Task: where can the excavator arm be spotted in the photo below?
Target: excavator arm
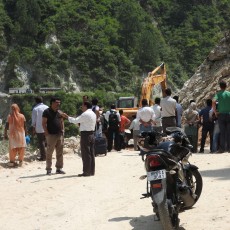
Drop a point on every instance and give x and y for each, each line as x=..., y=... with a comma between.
x=158, y=75
x=128, y=104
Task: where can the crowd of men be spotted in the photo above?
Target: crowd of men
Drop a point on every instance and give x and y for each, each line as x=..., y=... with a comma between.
x=48, y=124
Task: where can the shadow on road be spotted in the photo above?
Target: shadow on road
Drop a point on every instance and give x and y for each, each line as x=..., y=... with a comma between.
x=221, y=174
x=142, y=222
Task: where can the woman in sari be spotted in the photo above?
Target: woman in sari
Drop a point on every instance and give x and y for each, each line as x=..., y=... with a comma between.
x=17, y=130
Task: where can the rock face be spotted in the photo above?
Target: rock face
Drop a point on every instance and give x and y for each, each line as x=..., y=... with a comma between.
x=204, y=83
x=4, y=105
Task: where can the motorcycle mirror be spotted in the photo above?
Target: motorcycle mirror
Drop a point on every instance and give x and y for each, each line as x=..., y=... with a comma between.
x=143, y=177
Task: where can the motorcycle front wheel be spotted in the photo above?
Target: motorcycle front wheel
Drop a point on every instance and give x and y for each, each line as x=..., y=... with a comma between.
x=168, y=215
x=194, y=181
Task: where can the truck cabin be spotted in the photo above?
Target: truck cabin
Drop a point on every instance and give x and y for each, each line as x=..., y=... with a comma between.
x=126, y=102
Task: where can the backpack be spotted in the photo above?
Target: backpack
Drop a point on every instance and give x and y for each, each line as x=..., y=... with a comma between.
x=113, y=119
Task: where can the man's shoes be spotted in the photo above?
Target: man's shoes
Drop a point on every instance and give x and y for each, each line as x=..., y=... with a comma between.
x=201, y=151
x=41, y=159
x=83, y=174
x=219, y=151
x=48, y=172
x=60, y=171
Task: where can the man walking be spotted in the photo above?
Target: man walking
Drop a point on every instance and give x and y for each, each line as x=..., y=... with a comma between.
x=37, y=126
x=223, y=114
x=168, y=113
x=53, y=126
x=113, y=118
x=87, y=121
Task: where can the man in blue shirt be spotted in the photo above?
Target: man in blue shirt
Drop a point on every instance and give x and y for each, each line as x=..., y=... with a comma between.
x=207, y=125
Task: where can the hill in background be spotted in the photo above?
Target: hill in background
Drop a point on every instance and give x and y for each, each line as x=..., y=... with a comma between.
x=106, y=45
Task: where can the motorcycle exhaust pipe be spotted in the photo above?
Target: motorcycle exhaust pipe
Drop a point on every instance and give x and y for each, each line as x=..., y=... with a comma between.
x=186, y=196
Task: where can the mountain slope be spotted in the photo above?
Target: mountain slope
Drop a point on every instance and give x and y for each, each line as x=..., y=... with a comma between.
x=105, y=45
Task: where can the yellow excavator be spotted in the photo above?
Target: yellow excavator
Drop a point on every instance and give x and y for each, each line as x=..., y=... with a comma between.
x=130, y=105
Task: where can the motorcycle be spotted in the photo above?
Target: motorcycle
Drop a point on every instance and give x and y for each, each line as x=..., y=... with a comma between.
x=172, y=182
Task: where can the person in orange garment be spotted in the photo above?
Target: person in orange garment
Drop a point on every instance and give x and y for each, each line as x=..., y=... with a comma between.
x=123, y=124
x=16, y=124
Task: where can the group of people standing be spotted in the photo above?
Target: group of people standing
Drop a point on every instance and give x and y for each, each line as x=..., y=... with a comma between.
x=160, y=116
x=48, y=124
x=214, y=119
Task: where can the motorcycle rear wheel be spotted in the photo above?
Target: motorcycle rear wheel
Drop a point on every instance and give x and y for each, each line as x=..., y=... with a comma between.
x=194, y=181
x=168, y=215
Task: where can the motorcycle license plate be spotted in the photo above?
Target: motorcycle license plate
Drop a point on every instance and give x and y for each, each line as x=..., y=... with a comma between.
x=156, y=175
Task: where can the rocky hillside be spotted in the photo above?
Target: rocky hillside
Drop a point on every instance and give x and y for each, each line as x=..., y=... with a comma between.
x=201, y=86
x=4, y=105
x=204, y=83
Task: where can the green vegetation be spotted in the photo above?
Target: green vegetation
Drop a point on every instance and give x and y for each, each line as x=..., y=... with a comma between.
x=70, y=103
x=107, y=45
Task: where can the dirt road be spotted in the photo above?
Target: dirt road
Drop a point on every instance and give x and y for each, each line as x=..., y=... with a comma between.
x=109, y=200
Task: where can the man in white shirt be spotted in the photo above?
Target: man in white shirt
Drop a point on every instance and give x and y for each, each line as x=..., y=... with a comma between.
x=96, y=110
x=157, y=110
x=179, y=111
x=87, y=122
x=135, y=126
x=37, y=126
x=146, y=117
x=168, y=113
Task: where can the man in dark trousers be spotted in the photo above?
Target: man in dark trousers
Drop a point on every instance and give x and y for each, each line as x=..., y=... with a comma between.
x=87, y=121
x=179, y=111
x=37, y=126
x=223, y=114
x=113, y=118
x=168, y=113
x=207, y=125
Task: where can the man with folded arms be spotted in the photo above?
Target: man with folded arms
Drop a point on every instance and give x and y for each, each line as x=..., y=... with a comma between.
x=146, y=117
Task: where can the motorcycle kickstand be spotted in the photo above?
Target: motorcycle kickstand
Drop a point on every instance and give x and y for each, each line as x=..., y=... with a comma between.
x=145, y=195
